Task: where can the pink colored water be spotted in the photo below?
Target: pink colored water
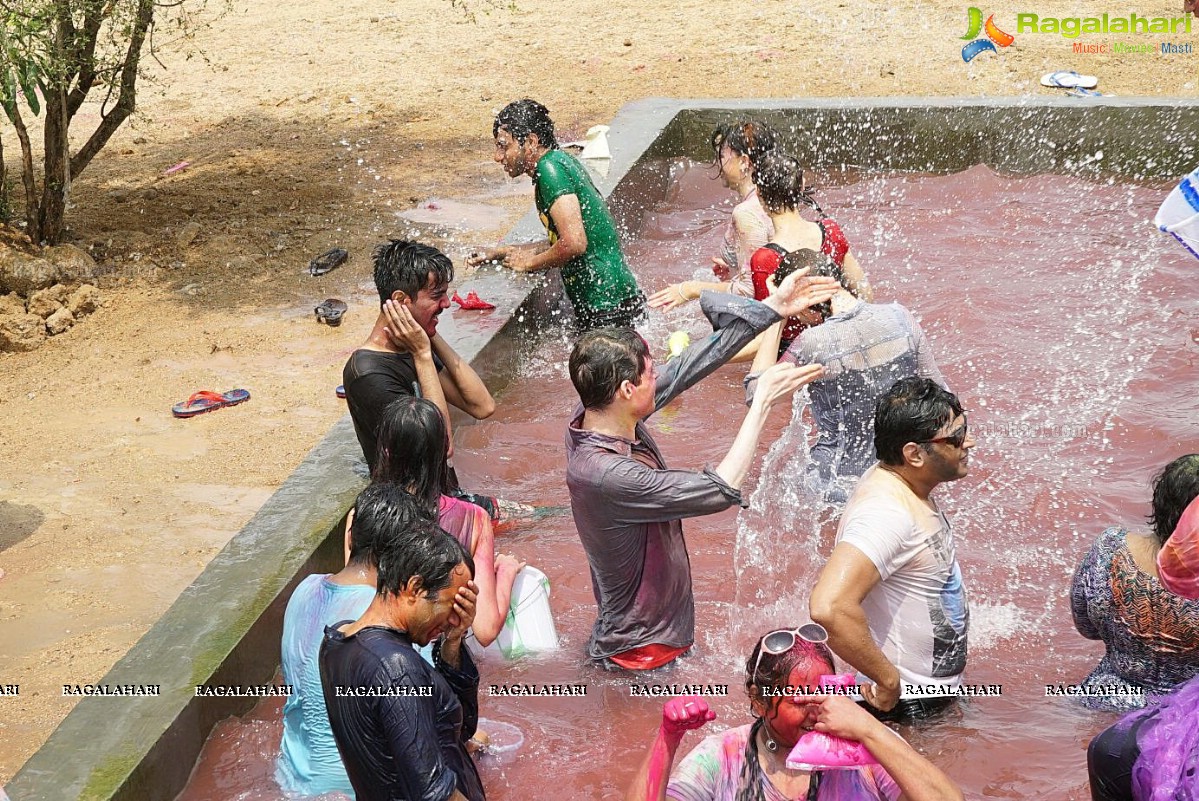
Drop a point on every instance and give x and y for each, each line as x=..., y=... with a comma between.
x=1068, y=326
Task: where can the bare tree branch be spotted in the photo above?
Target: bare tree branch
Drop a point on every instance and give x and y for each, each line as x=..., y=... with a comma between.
x=127, y=100
x=85, y=56
x=27, y=174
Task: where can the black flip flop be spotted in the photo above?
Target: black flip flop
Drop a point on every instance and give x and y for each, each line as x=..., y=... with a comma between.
x=327, y=261
x=330, y=312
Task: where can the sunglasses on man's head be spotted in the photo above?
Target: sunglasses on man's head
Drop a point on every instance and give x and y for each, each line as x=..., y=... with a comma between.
x=956, y=439
x=783, y=640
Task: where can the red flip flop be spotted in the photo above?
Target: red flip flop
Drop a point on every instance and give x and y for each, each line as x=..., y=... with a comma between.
x=206, y=401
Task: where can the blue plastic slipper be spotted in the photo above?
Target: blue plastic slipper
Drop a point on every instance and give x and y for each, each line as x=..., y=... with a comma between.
x=1069, y=79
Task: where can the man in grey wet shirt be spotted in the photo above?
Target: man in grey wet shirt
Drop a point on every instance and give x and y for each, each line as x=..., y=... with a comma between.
x=628, y=507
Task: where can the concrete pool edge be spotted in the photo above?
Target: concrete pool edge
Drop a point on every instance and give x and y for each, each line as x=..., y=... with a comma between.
x=224, y=628
x=129, y=747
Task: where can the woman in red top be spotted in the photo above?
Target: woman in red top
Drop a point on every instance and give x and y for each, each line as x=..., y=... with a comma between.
x=783, y=191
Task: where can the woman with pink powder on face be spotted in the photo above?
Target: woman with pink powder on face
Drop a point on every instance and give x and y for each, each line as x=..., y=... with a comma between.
x=748, y=763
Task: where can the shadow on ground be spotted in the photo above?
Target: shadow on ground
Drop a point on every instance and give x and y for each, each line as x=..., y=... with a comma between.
x=260, y=197
x=17, y=521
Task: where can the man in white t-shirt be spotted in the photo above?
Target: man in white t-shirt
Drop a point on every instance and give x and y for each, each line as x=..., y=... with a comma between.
x=891, y=595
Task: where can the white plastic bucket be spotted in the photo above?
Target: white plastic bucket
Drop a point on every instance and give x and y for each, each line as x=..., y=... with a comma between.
x=530, y=625
x=1179, y=214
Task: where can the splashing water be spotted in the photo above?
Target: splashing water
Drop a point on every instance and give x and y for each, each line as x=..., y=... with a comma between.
x=1067, y=326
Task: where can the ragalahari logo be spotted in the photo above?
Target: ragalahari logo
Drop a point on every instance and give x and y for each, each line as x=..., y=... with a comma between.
x=994, y=35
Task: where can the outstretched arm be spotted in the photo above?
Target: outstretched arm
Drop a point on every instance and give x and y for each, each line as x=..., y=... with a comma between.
x=777, y=383
x=736, y=321
x=501, y=253
x=917, y=778
x=572, y=239
x=461, y=384
x=679, y=716
x=750, y=234
x=684, y=292
x=768, y=348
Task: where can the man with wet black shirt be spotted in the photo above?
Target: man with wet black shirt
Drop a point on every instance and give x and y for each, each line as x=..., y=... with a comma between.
x=404, y=354
x=401, y=724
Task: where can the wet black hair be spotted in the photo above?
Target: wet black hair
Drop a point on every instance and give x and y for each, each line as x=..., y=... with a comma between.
x=424, y=551
x=412, y=444
x=406, y=266
x=523, y=117
x=602, y=360
x=773, y=671
x=782, y=184
x=913, y=410
x=382, y=513
x=750, y=138
x=1173, y=490
x=819, y=264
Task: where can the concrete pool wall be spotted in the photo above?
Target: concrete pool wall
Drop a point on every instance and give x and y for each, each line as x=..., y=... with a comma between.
x=224, y=628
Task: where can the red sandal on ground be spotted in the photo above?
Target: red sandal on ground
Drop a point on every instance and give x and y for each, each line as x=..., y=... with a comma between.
x=206, y=401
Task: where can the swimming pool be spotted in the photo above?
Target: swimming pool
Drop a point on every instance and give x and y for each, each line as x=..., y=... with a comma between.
x=1065, y=322
x=224, y=628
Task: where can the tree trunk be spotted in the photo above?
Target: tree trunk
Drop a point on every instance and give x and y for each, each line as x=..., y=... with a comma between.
x=56, y=183
x=3, y=185
x=56, y=163
x=27, y=176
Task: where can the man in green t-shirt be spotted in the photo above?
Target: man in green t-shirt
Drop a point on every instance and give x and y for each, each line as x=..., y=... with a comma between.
x=582, y=234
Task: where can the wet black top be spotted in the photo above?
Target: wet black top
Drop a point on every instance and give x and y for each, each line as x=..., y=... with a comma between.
x=401, y=725
x=372, y=380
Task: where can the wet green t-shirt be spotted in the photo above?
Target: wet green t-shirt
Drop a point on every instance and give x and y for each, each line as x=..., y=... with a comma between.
x=599, y=279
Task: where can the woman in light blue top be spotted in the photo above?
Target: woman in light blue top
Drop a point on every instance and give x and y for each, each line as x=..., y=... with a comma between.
x=309, y=762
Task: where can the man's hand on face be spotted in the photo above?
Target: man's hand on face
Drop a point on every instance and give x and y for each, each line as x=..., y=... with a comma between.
x=464, y=611
x=404, y=332
x=799, y=292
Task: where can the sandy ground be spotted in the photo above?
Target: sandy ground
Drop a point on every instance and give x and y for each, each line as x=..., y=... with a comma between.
x=309, y=125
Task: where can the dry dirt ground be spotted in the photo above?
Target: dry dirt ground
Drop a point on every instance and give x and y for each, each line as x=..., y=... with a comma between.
x=308, y=125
